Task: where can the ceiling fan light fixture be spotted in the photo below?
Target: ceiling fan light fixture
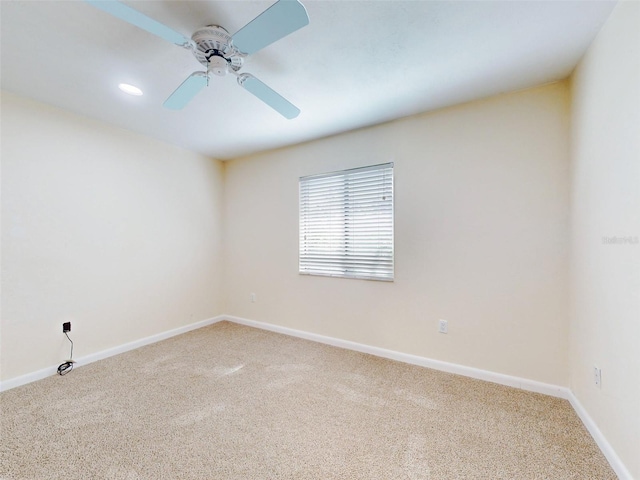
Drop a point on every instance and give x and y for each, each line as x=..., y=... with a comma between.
x=218, y=66
x=130, y=89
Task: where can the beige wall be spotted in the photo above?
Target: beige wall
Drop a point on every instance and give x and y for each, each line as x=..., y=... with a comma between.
x=123, y=235
x=481, y=233
x=115, y=232
x=605, y=278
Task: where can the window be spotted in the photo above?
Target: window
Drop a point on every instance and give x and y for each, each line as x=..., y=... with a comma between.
x=346, y=223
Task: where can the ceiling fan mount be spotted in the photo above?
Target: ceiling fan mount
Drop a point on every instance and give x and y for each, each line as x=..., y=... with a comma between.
x=221, y=53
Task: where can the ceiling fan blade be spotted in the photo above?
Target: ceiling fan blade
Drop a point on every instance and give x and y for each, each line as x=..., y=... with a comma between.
x=278, y=21
x=134, y=17
x=186, y=91
x=269, y=96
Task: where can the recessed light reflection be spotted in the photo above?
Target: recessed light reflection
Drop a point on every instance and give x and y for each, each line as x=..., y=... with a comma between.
x=130, y=89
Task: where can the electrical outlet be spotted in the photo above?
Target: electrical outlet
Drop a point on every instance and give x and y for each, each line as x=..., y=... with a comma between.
x=443, y=326
x=66, y=327
x=597, y=377
x=252, y=297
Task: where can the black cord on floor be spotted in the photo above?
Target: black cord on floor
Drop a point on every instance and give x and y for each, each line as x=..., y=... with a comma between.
x=67, y=366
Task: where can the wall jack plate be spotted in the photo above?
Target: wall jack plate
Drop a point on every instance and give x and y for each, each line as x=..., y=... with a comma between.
x=443, y=326
x=66, y=327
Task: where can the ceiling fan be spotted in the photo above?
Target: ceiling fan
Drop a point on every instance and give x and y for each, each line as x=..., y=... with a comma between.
x=221, y=53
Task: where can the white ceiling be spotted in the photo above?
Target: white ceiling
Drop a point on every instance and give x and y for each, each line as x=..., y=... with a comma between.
x=358, y=63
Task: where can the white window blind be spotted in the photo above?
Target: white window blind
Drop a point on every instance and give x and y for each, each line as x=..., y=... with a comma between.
x=346, y=223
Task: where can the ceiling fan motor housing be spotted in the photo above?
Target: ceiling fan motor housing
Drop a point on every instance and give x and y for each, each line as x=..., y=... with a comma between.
x=214, y=50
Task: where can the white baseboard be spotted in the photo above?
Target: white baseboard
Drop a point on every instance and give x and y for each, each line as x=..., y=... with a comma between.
x=27, y=378
x=517, y=382
x=606, y=448
x=511, y=381
x=92, y=357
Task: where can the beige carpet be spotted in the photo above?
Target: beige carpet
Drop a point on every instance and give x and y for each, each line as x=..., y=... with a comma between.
x=232, y=402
